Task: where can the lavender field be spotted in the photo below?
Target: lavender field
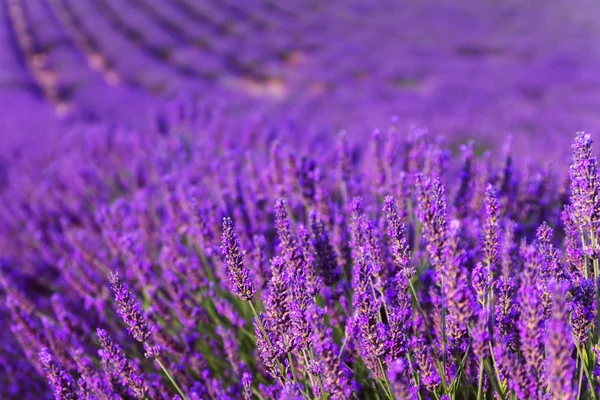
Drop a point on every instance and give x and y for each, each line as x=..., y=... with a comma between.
x=299, y=200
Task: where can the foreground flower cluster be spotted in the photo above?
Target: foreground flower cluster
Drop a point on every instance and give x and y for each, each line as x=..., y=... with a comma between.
x=186, y=263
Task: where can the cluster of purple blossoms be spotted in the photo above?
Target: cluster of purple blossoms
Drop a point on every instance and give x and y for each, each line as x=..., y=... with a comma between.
x=342, y=274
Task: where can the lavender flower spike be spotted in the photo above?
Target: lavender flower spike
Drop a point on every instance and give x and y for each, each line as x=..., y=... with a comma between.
x=585, y=183
x=61, y=381
x=113, y=354
x=491, y=229
x=129, y=309
x=398, y=374
x=560, y=367
x=397, y=234
x=277, y=302
x=239, y=276
x=432, y=212
x=290, y=392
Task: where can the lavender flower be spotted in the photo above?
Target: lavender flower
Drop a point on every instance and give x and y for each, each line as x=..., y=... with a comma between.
x=531, y=324
x=506, y=313
x=431, y=197
x=325, y=256
x=574, y=255
x=337, y=378
x=457, y=293
x=267, y=347
x=112, y=353
x=290, y=392
x=399, y=377
x=585, y=184
x=560, y=367
x=549, y=255
x=238, y=274
x=284, y=230
x=465, y=189
x=583, y=311
x=61, y=381
x=278, y=300
x=397, y=234
x=491, y=229
x=376, y=283
x=247, y=383
x=129, y=309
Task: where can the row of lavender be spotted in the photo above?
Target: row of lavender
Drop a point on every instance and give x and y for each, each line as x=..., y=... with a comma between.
x=105, y=59
x=201, y=261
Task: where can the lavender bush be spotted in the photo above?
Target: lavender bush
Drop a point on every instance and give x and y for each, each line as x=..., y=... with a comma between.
x=198, y=261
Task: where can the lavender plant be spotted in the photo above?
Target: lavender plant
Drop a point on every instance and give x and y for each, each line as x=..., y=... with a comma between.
x=330, y=284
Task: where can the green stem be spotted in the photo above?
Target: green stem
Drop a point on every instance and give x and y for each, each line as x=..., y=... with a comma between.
x=496, y=372
x=171, y=379
x=585, y=259
x=257, y=394
x=291, y=361
x=343, y=346
x=580, y=380
x=480, y=382
x=387, y=387
x=589, y=377
x=413, y=373
x=443, y=327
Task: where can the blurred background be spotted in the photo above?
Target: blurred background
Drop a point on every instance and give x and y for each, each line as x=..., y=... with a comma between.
x=478, y=69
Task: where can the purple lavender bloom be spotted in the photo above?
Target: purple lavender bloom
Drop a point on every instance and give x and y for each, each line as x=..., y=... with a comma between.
x=238, y=274
x=458, y=296
x=585, y=184
x=397, y=233
x=574, y=256
x=428, y=374
x=462, y=199
x=111, y=353
x=266, y=345
x=399, y=321
x=129, y=309
x=482, y=282
x=62, y=383
x=325, y=255
x=531, y=325
x=549, y=255
x=506, y=313
x=290, y=392
x=259, y=262
x=491, y=229
x=560, y=367
x=583, y=311
x=151, y=351
x=300, y=304
x=247, y=384
x=305, y=263
x=372, y=339
x=431, y=198
x=199, y=220
x=399, y=376
x=88, y=375
x=284, y=229
x=277, y=304
x=337, y=378
x=365, y=244
x=308, y=177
